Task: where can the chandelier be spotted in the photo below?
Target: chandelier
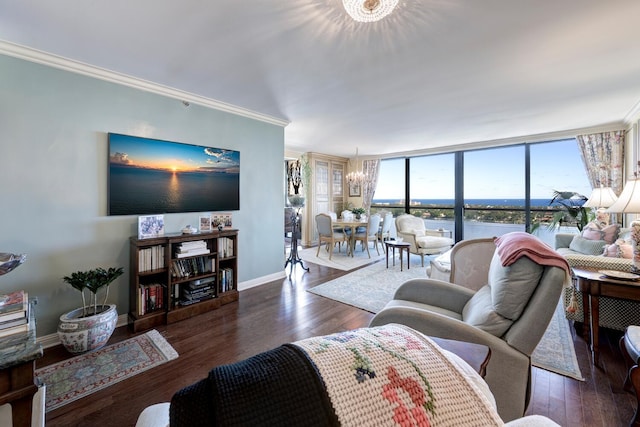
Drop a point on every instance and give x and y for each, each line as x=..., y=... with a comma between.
x=369, y=10
x=356, y=177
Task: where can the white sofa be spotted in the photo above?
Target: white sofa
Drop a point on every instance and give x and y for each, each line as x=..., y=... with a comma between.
x=423, y=241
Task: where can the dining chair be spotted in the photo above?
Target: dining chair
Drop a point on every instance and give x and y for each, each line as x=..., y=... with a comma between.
x=385, y=228
x=370, y=234
x=327, y=234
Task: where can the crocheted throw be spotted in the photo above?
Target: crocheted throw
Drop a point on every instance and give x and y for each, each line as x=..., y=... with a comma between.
x=385, y=376
x=393, y=375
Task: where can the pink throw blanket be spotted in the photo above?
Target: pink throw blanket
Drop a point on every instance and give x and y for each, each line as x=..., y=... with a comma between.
x=512, y=246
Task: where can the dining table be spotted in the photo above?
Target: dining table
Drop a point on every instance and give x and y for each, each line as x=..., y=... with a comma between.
x=353, y=224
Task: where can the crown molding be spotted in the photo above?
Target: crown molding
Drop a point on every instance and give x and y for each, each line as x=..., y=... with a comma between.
x=633, y=115
x=59, y=62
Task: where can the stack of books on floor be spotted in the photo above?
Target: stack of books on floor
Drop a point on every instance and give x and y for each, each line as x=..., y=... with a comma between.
x=14, y=313
x=196, y=247
x=197, y=290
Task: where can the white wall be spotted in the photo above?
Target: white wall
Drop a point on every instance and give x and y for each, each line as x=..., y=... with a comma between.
x=53, y=179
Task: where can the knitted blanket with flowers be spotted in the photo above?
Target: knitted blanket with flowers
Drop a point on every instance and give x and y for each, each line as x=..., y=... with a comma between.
x=385, y=376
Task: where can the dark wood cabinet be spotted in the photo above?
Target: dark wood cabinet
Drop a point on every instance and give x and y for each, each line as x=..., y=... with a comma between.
x=177, y=276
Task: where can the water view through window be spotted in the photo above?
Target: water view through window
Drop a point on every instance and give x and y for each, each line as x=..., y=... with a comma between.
x=494, y=187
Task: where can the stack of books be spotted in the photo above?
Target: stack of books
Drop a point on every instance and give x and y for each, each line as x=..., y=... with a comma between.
x=14, y=313
x=196, y=247
x=197, y=290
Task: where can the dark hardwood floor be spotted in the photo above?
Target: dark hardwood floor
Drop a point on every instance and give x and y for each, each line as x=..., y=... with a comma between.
x=282, y=311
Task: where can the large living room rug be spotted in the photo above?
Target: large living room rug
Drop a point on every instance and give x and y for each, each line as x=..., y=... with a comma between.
x=82, y=375
x=370, y=288
x=340, y=260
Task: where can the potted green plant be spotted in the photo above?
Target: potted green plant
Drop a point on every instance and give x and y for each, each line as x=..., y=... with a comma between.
x=358, y=212
x=570, y=211
x=89, y=327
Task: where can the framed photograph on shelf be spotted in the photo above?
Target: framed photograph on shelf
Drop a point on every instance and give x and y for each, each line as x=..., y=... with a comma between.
x=150, y=226
x=221, y=220
x=205, y=224
x=354, y=190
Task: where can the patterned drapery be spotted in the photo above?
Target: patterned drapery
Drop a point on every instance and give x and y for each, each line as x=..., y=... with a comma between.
x=370, y=169
x=603, y=158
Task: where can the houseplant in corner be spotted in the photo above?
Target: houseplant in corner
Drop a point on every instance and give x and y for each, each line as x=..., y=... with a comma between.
x=89, y=327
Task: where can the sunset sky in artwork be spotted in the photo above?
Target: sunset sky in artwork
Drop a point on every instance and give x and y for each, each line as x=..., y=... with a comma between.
x=172, y=156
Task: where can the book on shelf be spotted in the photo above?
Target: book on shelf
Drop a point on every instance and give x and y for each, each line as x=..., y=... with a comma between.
x=150, y=298
x=14, y=305
x=193, y=252
x=225, y=247
x=151, y=258
x=226, y=280
x=182, y=268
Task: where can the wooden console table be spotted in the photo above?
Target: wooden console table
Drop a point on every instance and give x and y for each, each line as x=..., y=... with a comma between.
x=593, y=285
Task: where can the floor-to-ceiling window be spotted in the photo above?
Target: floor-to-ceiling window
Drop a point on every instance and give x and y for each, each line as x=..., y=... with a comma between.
x=390, y=192
x=494, y=191
x=432, y=189
x=503, y=188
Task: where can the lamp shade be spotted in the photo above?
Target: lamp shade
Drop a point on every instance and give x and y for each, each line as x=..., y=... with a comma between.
x=602, y=197
x=629, y=200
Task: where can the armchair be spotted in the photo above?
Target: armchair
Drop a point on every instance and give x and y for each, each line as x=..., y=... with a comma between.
x=509, y=315
x=423, y=242
x=466, y=264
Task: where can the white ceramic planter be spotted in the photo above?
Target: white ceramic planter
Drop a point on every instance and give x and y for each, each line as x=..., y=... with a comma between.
x=82, y=334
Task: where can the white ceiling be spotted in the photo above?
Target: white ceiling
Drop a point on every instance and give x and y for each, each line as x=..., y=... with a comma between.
x=436, y=73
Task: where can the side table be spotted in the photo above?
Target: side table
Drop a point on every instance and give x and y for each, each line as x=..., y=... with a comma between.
x=593, y=285
x=18, y=354
x=393, y=244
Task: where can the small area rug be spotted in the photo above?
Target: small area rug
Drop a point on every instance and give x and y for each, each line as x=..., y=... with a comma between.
x=555, y=351
x=340, y=260
x=82, y=375
x=370, y=288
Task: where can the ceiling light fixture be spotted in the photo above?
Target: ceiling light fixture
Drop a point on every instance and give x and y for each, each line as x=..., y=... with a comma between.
x=356, y=177
x=369, y=10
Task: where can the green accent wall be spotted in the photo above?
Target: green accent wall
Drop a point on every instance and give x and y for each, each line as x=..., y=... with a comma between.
x=53, y=180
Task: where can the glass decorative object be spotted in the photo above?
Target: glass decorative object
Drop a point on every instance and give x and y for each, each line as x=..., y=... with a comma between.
x=9, y=262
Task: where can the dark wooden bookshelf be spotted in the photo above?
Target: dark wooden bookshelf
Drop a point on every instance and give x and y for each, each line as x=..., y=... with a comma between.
x=152, y=262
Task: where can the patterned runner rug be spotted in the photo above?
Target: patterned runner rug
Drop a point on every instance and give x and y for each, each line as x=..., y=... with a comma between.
x=74, y=378
x=371, y=287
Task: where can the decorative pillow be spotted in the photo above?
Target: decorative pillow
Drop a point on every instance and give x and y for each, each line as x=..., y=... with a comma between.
x=592, y=233
x=513, y=285
x=610, y=233
x=587, y=247
x=626, y=251
x=418, y=232
x=479, y=312
x=611, y=250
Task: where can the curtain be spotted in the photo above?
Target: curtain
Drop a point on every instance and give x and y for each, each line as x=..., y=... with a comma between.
x=603, y=158
x=370, y=169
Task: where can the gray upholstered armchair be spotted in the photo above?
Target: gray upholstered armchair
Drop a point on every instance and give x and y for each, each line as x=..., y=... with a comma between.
x=509, y=315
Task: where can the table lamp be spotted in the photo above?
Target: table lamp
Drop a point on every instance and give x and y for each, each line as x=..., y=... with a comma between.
x=629, y=203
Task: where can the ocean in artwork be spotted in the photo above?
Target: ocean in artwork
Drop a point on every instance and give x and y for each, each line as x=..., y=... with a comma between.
x=141, y=191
